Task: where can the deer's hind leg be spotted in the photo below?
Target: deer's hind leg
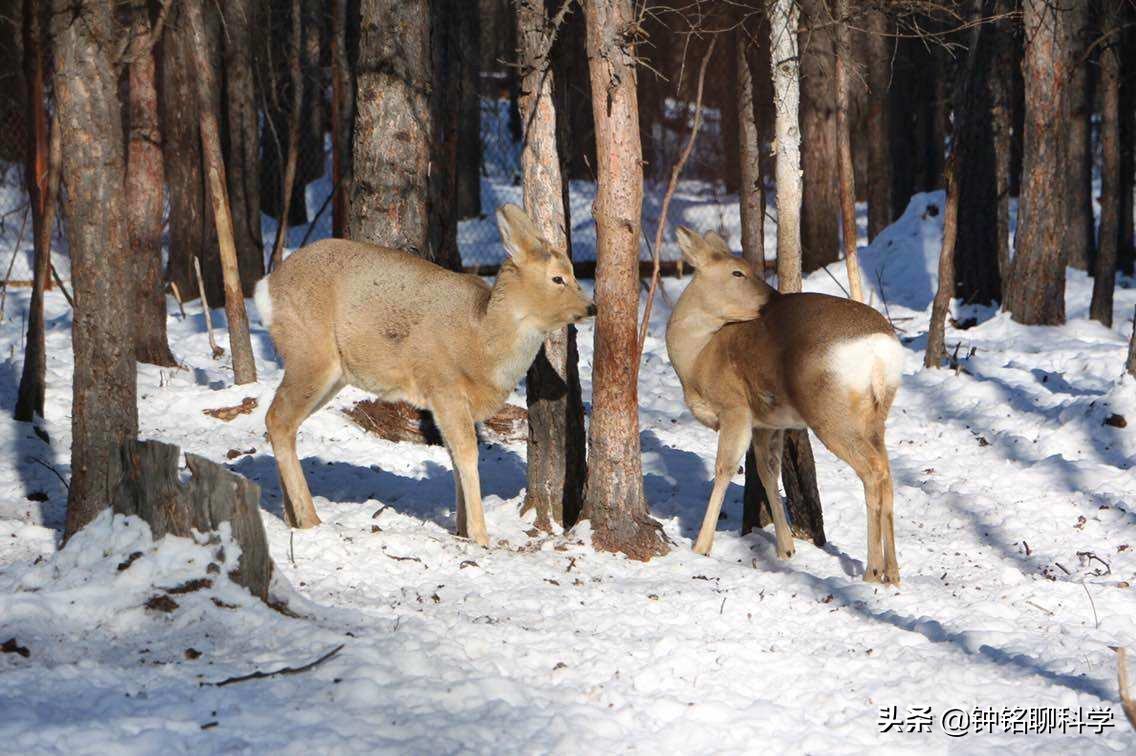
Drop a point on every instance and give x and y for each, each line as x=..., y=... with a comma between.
x=858, y=439
x=768, y=445
x=310, y=381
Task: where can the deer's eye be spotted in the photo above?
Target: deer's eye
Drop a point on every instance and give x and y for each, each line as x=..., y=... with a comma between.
x=739, y=274
x=558, y=280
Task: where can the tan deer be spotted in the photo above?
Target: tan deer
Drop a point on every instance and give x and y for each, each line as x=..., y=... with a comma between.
x=754, y=362
x=348, y=313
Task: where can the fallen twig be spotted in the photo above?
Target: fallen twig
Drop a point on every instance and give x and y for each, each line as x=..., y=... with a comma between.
x=671, y=186
x=217, y=351
x=62, y=286
x=283, y=671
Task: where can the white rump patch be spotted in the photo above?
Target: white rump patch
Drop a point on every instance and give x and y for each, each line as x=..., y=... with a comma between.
x=869, y=362
x=263, y=301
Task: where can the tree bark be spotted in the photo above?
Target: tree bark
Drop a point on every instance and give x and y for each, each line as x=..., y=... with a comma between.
x=192, y=231
x=557, y=466
x=798, y=469
x=313, y=164
x=445, y=109
x=288, y=182
x=1036, y=293
x=879, y=180
x=243, y=155
x=103, y=413
x=844, y=152
x=144, y=197
x=390, y=181
x=1104, y=283
x=43, y=190
x=571, y=68
x=240, y=344
x=976, y=277
x=614, y=496
x=469, y=124
x=1080, y=233
x=1001, y=82
x=342, y=118
x=820, y=216
x=751, y=199
x=1126, y=249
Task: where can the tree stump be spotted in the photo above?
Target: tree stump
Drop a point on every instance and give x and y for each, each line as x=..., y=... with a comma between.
x=151, y=490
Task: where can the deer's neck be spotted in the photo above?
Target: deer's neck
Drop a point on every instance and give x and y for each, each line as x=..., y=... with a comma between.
x=689, y=330
x=510, y=339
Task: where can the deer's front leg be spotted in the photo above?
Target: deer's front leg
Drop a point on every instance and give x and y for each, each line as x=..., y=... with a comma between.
x=735, y=430
x=460, y=436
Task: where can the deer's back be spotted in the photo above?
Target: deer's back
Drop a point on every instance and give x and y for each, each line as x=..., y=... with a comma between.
x=397, y=321
x=800, y=359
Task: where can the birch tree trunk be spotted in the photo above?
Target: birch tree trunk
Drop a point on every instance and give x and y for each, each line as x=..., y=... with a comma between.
x=556, y=446
x=391, y=154
x=1110, y=76
x=798, y=470
x=240, y=344
x=844, y=152
x=614, y=496
x=144, y=190
x=104, y=413
x=1036, y=294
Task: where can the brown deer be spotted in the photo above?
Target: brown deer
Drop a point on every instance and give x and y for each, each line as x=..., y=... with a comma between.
x=754, y=362
x=348, y=313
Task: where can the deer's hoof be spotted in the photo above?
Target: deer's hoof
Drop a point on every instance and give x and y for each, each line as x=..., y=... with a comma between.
x=785, y=551
x=882, y=576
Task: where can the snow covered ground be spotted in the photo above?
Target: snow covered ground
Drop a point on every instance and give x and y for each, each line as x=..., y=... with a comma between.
x=1016, y=527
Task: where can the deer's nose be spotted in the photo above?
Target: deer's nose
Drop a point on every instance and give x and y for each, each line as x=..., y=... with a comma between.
x=591, y=310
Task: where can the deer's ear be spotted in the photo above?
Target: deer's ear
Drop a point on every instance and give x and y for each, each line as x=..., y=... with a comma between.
x=715, y=241
x=694, y=248
x=519, y=234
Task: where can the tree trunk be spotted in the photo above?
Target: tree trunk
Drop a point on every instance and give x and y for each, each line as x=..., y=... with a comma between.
x=144, y=198
x=820, y=217
x=1130, y=363
x=614, y=496
x=1110, y=76
x=151, y=488
x=43, y=189
x=1126, y=249
x=1001, y=82
x=288, y=183
x=342, y=117
x=1036, y=293
x=976, y=278
x=469, y=124
x=390, y=181
x=243, y=155
x=798, y=469
x=240, y=344
x=1080, y=233
x=556, y=447
x=844, y=152
x=445, y=108
x=571, y=68
x=312, y=165
x=103, y=413
x=752, y=195
x=192, y=231
x=879, y=181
